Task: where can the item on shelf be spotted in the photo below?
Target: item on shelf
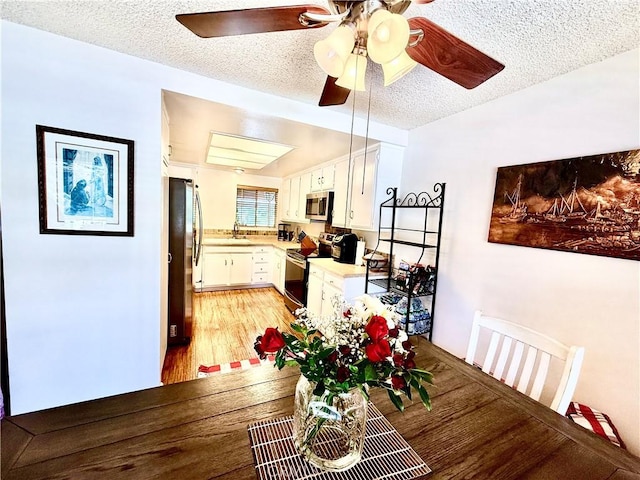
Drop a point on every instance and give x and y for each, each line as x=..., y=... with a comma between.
x=377, y=262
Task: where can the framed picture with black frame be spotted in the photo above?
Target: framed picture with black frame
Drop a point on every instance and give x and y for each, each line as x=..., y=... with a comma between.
x=85, y=183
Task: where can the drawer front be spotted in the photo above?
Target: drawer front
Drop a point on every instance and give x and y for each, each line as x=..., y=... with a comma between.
x=261, y=258
x=261, y=278
x=261, y=268
x=318, y=272
x=262, y=249
x=333, y=280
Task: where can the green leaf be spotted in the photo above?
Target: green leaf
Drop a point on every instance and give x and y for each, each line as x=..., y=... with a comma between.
x=423, y=374
x=319, y=390
x=424, y=396
x=370, y=373
x=396, y=400
x=297, y=328
x=326, y=352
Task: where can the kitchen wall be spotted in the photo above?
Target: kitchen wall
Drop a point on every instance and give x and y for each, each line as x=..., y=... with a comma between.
x=576, y=298
x=218, y=190
x=84, y=312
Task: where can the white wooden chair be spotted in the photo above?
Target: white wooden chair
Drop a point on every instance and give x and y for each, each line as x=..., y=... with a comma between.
x=540, y=350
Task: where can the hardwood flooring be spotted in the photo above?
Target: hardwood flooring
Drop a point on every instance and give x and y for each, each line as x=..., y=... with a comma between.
x=225, y=326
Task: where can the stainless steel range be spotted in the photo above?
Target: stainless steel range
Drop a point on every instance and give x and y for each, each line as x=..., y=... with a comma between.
x=296, y=272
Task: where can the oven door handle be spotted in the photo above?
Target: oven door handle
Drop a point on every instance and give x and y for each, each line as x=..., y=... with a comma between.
x=293, y=300
x=300, y=264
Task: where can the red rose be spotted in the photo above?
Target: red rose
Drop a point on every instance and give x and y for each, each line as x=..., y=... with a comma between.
x=377, y=328
x=378, y=351
x=398, y=359
x=393, y=333
x=345, y=349
x=343, y=373
x=333, y=356
x=270, y=342
x=407, y=345
x=409, y=363
x=398, y=383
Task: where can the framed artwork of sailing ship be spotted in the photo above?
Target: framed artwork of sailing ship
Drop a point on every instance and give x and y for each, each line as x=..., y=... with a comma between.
x=585, y=204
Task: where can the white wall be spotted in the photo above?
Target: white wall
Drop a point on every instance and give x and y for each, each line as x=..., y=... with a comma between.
x=578, y=299
x=84, y=312
x=218, y=189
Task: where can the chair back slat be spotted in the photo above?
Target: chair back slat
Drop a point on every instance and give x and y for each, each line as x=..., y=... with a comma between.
x=527, y=369
x=508, y=343
x=515, y=364
x=541, y=376
x=491, y=353
x=502, y=359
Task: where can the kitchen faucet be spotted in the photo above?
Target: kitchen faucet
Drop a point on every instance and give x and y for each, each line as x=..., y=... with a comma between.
x=235, y=230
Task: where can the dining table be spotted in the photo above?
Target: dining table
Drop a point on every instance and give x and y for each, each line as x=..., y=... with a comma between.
x=478, y=428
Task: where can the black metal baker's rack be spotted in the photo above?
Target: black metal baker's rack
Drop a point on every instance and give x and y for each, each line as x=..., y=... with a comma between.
x=414, y=282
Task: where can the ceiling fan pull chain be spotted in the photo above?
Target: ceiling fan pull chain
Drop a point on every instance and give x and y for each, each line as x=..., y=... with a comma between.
x=366, y=137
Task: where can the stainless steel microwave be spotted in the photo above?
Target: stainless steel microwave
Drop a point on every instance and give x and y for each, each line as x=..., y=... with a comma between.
x=319, y=206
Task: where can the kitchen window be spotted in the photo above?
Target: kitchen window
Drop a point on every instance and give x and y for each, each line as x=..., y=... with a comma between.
x=256, y=206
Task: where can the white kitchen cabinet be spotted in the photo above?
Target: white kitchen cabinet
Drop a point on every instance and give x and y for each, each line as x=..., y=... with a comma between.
x=323, y=286
x=224, y=267
x=362, y=201
x=323, y=178
x=278, y=269
x=284, y=197
x=293, y=198
x=356, y=200
x=305, y=188
x=341, y=194
x=262, y=265
x=315, y=285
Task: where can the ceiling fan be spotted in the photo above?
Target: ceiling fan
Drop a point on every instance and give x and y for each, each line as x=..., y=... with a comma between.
x=370, y=28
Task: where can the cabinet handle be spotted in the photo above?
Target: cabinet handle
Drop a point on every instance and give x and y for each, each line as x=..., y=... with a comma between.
x=170, y=258
x=232, y=262
x=225, y=262
x=351, y=214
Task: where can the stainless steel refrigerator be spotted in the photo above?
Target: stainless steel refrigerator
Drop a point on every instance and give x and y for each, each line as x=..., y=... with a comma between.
x=185, y=239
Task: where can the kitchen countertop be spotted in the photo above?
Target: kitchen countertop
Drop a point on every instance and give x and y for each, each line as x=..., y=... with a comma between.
x=345, y=270
x=248, y=241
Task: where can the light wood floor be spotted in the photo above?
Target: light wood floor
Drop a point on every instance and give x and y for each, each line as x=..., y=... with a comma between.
x=225, y=326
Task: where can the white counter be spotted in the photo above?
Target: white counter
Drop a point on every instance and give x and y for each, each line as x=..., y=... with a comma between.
x=345, y=270
x=249, y=241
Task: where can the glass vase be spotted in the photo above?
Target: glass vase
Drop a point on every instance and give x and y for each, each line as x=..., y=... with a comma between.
x=329, y=432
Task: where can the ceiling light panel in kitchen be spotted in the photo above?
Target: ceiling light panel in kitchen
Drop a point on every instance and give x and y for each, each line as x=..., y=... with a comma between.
x=244, y=152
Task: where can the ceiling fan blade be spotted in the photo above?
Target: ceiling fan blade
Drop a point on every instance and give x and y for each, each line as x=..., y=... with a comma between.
x=449, y=56
x=251, y=20
x=333, y=94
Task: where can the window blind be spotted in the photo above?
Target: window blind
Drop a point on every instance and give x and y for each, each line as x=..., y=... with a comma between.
x=256, y=206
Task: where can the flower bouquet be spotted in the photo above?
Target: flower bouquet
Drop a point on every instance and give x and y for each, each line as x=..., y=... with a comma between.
x=340, y=358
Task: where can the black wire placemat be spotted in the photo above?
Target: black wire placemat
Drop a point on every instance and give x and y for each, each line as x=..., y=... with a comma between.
x=386, y=455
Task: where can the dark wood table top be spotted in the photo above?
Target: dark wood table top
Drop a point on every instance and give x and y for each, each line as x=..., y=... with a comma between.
x=478, y=429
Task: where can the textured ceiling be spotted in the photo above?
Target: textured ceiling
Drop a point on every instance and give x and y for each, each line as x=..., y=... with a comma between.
x=535, y=39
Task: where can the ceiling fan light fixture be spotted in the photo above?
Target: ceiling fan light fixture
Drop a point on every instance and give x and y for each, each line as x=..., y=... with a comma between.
x=332, y=52
x=354, y=73
x=397, y=68
x=239, y=170
x=388, y=36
